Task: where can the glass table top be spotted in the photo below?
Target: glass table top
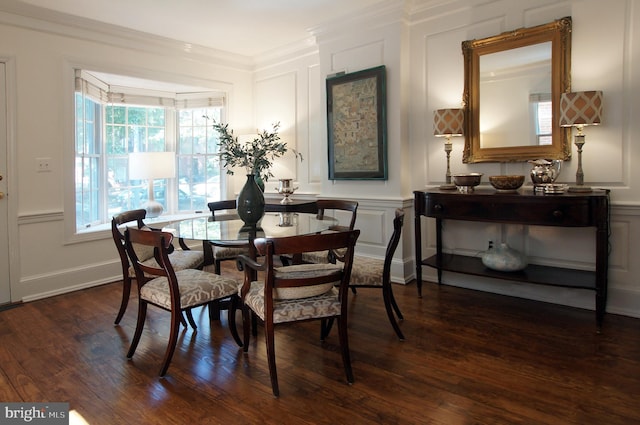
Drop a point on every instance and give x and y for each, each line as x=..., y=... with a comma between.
x=231, y=229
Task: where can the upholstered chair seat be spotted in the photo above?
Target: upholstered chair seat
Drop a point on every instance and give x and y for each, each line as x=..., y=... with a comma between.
x=180, y=260
x=366, y=271
x=301, y=302
x=319, y=257
x=197, y=287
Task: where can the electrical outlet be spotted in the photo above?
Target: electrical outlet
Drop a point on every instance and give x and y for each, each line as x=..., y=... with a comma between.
x=43, y=165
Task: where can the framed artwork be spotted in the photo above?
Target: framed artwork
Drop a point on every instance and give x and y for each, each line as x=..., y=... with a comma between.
x=357, y=125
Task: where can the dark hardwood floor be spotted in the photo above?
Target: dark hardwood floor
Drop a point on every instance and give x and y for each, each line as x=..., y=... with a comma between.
x=469, y=358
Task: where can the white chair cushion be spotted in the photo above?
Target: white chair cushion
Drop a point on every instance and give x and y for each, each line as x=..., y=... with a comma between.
x=180, y=260
x=196, y=287
x=325, y=305
x=304, y=271
x=227, y=253
x=144, y=252
x=366, y=271
x=320, y=257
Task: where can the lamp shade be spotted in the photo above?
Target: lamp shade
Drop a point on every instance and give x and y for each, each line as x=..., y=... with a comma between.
x=580, y=108
x=448, y=122
x=152, y=165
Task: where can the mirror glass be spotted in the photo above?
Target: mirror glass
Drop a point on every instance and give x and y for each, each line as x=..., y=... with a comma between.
x=513, y=83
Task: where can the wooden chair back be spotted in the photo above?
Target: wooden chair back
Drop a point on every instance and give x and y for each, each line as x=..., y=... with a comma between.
x=161, y=243
x=272, y=248
x=227, y=204
x=133, y=216
x=136, y=216
x=341, y=205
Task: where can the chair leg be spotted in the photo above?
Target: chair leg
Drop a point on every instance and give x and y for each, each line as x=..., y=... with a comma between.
x=126, y=291
x=271, y=356
x=233, y=306
x=344, y=345
x=395, y=305
x=389, y=305
x=190, y=319
x=254, y=324
x=246, y=325
x=325, y=328
x=142, y=315
x=216, y=267
x=173, y=341
x=214, y=310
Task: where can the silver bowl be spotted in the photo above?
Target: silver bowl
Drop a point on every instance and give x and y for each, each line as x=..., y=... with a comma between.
x=466, y=182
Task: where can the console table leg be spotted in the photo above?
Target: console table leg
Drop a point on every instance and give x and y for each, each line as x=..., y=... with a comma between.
x=418, y=247
x=602, y=259
x=439, y=249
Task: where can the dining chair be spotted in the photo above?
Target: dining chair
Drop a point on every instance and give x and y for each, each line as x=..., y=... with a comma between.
x=173, y=290
x=180, y=258
x=334, y=205
x=224, y=252
x=370, y=272
x=300, y=292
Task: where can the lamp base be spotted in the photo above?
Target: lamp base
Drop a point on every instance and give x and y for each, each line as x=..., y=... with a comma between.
x=579, y=189
x=154, y=208
x=447, y=186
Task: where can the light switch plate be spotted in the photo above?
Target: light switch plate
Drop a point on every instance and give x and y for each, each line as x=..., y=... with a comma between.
x=43, y=165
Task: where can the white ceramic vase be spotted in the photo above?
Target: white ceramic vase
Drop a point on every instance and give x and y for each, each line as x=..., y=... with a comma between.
x=503, y=258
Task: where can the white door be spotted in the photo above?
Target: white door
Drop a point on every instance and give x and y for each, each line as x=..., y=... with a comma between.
x=5, y=284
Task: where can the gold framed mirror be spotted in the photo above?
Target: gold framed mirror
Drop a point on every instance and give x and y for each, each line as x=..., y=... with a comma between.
x=512, y=87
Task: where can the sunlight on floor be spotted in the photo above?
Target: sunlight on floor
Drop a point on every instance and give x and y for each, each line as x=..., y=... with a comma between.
x=76, y=418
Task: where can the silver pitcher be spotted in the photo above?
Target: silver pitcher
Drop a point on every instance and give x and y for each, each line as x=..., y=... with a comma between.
x=544, y=172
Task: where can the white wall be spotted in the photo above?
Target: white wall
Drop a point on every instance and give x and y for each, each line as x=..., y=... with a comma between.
x=420, y=48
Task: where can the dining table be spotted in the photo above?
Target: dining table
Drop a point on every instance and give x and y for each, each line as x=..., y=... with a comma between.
x=230, y=231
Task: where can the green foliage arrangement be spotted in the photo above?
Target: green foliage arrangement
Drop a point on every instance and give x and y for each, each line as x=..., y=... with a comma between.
x=255, y=156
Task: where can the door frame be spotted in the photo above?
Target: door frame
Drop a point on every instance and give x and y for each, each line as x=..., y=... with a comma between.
x=10, y=276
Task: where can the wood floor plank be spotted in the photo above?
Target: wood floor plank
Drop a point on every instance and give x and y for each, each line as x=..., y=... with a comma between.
x=469, y=358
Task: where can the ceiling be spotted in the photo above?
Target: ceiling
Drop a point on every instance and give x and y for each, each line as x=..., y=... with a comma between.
x=245, y=27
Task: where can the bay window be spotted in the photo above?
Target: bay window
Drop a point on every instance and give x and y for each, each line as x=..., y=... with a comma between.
x=112, y=122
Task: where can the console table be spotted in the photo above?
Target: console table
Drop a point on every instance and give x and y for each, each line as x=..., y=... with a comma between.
x=522, y=207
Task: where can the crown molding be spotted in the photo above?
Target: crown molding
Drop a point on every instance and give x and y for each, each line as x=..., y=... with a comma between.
x=370, y=18
x=21, y=15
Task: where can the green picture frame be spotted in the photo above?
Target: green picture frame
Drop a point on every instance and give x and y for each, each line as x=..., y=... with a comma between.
x=357, y=125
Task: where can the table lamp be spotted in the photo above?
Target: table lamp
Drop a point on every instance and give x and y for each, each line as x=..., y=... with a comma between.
x=580, y=109
x=150, y=166
x=447, y=123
